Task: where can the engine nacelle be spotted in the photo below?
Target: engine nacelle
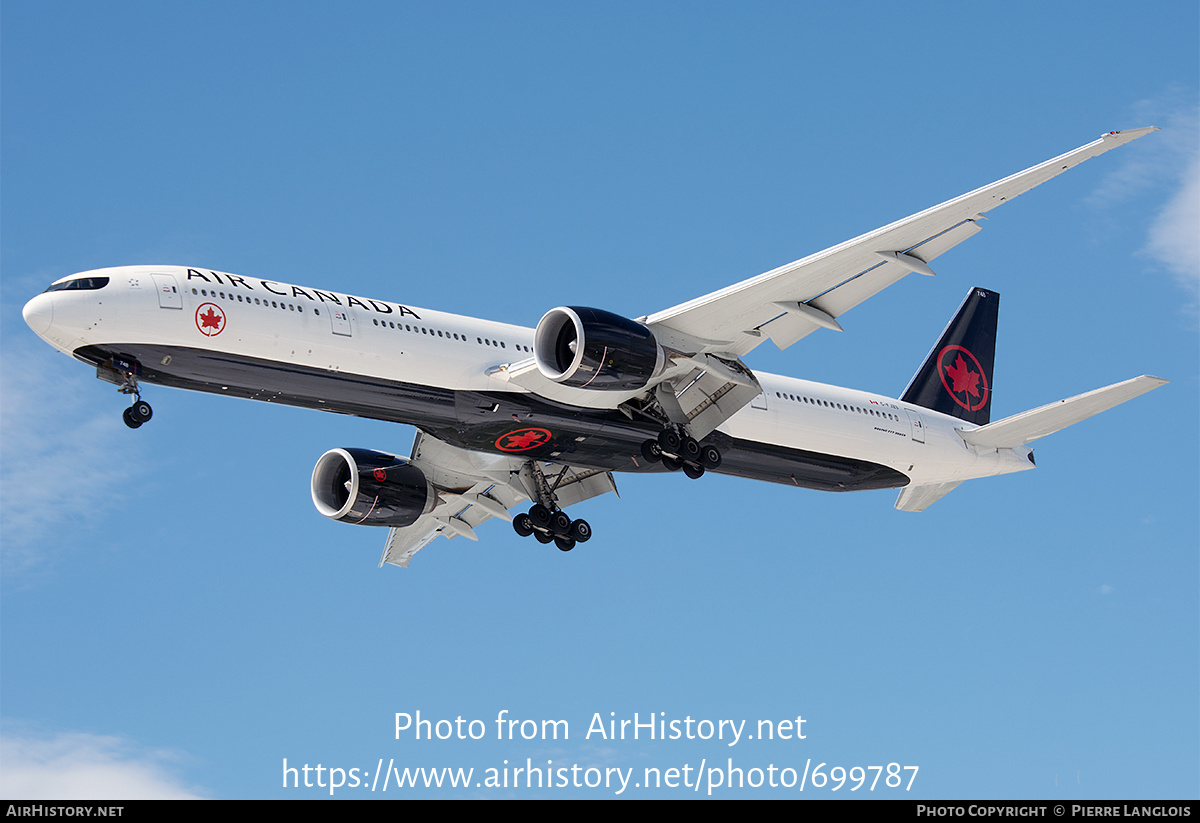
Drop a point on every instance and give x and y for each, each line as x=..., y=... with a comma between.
x=370, y=488
x=595, y=349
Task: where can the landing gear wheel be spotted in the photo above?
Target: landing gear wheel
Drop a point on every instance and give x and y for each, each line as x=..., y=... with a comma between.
x=693, y=471
x=560, y=523
x=690, y=450
x=672, y=464
x=581, y=532
x=651, y=451
x=565, y=544
x=540, y=515
x=668, y=441
x=710, y=457
x=141, y=411
x=127, y=416
x=542, y=537
x=523, y=525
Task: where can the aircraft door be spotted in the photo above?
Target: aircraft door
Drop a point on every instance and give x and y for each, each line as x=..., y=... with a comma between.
x=917, y=427
x=341, y=321
x=759, y=402
x=168, y=291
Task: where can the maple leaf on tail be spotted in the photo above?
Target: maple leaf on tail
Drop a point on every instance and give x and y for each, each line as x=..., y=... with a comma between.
x=965, y=380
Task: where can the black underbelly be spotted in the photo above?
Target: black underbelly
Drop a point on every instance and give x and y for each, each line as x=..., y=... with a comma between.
x=516, y=424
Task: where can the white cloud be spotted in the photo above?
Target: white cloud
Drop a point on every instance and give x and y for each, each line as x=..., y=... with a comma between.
x=1175, y=232
x=1165, y=162
x=77, y=766
x=62, y=461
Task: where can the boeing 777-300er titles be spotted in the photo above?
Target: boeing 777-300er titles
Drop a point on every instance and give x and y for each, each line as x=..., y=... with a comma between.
x=508, y=415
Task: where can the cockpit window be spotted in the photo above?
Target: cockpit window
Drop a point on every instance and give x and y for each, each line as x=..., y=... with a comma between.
x=80, y=284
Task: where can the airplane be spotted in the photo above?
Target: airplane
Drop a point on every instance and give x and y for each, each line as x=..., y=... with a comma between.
x=508, y=415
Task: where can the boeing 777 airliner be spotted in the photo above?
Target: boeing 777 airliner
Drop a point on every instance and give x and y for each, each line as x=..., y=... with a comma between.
x=508, y=415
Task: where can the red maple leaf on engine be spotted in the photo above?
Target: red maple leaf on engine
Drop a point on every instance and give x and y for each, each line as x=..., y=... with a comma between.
x=210, y=320
x=964, y=379
x=524, y=440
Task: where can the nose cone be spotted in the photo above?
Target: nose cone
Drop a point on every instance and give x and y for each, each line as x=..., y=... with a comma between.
x=39, y=313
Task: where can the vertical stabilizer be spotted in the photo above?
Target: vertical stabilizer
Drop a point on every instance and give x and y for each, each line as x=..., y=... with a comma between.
x=956, y=377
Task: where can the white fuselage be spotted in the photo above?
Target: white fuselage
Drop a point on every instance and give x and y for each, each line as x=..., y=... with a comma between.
x=169, y=309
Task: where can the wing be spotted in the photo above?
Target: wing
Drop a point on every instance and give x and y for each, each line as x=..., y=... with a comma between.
x=703, y=382
x=473, y=487
x=792, y=301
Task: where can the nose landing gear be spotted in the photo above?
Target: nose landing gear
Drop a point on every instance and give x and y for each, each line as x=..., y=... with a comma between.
x=140, y=412
x=137, y=414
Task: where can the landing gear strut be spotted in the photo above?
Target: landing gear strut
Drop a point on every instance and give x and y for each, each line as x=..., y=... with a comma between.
x=546, y=521
x=140, y=412
x=677, y=450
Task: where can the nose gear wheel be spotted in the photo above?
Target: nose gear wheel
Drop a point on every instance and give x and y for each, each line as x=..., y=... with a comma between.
x=140, y=412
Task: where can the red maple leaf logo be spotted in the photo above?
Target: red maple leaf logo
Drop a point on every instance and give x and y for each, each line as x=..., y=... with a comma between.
x=964, y=379
x=210, y=320
x=523, y=440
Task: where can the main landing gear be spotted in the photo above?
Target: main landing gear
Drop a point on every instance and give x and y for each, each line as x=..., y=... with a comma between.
x=555, y=527
x=679, y=451
x=546, y=521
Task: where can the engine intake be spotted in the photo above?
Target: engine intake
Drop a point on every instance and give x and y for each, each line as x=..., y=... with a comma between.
x=370, y=488
x=595, y=349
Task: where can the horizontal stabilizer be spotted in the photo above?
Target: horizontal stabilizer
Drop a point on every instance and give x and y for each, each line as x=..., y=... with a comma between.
x=1029, y=426
x=919, y=498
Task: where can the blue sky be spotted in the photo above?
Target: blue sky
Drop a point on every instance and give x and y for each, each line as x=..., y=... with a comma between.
x=176, y=619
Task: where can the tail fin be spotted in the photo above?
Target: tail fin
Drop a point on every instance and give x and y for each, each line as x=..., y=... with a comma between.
x=956, y=377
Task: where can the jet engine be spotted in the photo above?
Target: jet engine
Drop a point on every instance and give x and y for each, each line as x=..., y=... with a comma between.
x=370, y=488
x=594, y=349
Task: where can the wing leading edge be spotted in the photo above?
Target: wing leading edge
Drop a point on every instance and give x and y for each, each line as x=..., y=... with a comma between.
x=790, y=302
